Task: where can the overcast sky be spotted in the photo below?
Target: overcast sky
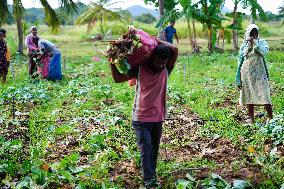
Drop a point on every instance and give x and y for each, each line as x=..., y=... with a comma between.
x=268, y=5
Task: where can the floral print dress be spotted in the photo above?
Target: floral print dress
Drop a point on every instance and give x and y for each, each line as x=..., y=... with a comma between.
x=3, y=60
x=254, y=78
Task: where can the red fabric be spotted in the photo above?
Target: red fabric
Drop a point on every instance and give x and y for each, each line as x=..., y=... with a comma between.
x=150, y=97
x=141, y=54
x=45, y=62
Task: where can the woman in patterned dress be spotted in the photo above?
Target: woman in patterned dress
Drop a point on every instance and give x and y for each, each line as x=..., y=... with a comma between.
x=252, y=74
x=44, y=60
x=3, y=58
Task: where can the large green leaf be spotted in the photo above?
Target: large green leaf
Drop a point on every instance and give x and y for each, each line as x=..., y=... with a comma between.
x=241, y=184
x=3, y=11
x=168, y=16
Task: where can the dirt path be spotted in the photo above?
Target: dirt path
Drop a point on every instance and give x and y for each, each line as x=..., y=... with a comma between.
x=181, y=143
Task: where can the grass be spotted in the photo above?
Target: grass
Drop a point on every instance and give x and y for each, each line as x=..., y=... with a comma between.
x=77, y=132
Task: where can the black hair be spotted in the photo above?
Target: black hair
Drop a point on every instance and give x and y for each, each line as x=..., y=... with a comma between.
x=254, y=29
x=162, y=52
x=3, y=31
x=173, y=21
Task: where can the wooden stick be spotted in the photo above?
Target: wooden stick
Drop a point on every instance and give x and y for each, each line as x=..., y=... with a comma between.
x=190, y=169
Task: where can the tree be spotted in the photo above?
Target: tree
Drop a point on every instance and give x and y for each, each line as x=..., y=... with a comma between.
x=98, y=13
x=189, y=11
x=18, y=11
x=281, y=12
x=208, y=12
x=126, y=15
x=51, y=17
x=146, y=18
x=165, y=6
x=254, y=7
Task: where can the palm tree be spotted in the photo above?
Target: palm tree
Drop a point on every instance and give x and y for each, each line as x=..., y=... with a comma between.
x=98, y=13
x=51, y=17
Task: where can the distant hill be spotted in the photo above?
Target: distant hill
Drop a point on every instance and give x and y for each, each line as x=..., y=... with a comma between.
x=226, y=10
x=137, y=10
x=32, y=15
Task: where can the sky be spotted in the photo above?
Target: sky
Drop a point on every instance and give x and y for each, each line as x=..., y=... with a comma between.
x=268, y=5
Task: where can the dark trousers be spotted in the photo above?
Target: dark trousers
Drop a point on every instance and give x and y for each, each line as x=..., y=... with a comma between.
x=32, y=66
x=148, y=135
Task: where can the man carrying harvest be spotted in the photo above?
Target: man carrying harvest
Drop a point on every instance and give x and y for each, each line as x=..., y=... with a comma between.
x=149, y=108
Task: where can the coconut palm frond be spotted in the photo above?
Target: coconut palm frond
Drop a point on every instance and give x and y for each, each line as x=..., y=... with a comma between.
x=90, y=16
x=3, y=11
x=50, y=16
x=18, y=8
x=68, y=6
x=97, y=12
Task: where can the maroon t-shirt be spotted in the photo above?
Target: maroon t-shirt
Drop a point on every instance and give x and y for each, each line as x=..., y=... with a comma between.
x=150, y=97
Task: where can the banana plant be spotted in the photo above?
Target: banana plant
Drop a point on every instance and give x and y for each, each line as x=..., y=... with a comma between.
x=236, y=19
x=188, y=11
x=208, y=12
x=166, y=10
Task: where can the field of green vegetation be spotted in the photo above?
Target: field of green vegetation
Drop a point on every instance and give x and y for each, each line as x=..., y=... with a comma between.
x=77, y=133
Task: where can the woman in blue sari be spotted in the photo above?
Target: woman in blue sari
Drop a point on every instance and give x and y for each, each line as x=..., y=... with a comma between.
x=54, y=67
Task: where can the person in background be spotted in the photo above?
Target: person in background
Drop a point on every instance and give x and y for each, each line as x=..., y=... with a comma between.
x=149, y=109
x=31, y=50
x=170, y=32
x=54, y=66
x=252, y=74
x=4, y=56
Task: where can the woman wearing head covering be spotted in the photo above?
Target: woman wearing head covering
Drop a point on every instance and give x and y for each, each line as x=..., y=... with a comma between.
x=54, y=66
x=31, y=49
x=252, y=74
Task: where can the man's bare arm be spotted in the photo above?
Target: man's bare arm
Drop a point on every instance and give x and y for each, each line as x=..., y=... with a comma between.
x=117, y=76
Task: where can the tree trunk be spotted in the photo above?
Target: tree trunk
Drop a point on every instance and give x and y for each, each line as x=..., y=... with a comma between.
x=194, y=34
x=223, y=41
x=218, y=39
x=161, y=11
x=210, y=34
x=252, y=20
x=20, y=34
x=102, y=27
x=235, y=32
x=189, y=33
x=161, y=8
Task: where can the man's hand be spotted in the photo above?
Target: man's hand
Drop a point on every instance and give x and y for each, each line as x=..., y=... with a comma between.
x=118, y=77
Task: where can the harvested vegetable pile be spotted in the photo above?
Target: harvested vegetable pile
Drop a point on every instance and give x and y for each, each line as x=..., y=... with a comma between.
x=132, y=49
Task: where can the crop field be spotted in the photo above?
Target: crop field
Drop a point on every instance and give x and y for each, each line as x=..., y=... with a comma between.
x=77, y=133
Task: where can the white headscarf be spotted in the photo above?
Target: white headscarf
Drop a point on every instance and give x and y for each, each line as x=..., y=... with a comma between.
x=248, y=30
x=33, y=28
